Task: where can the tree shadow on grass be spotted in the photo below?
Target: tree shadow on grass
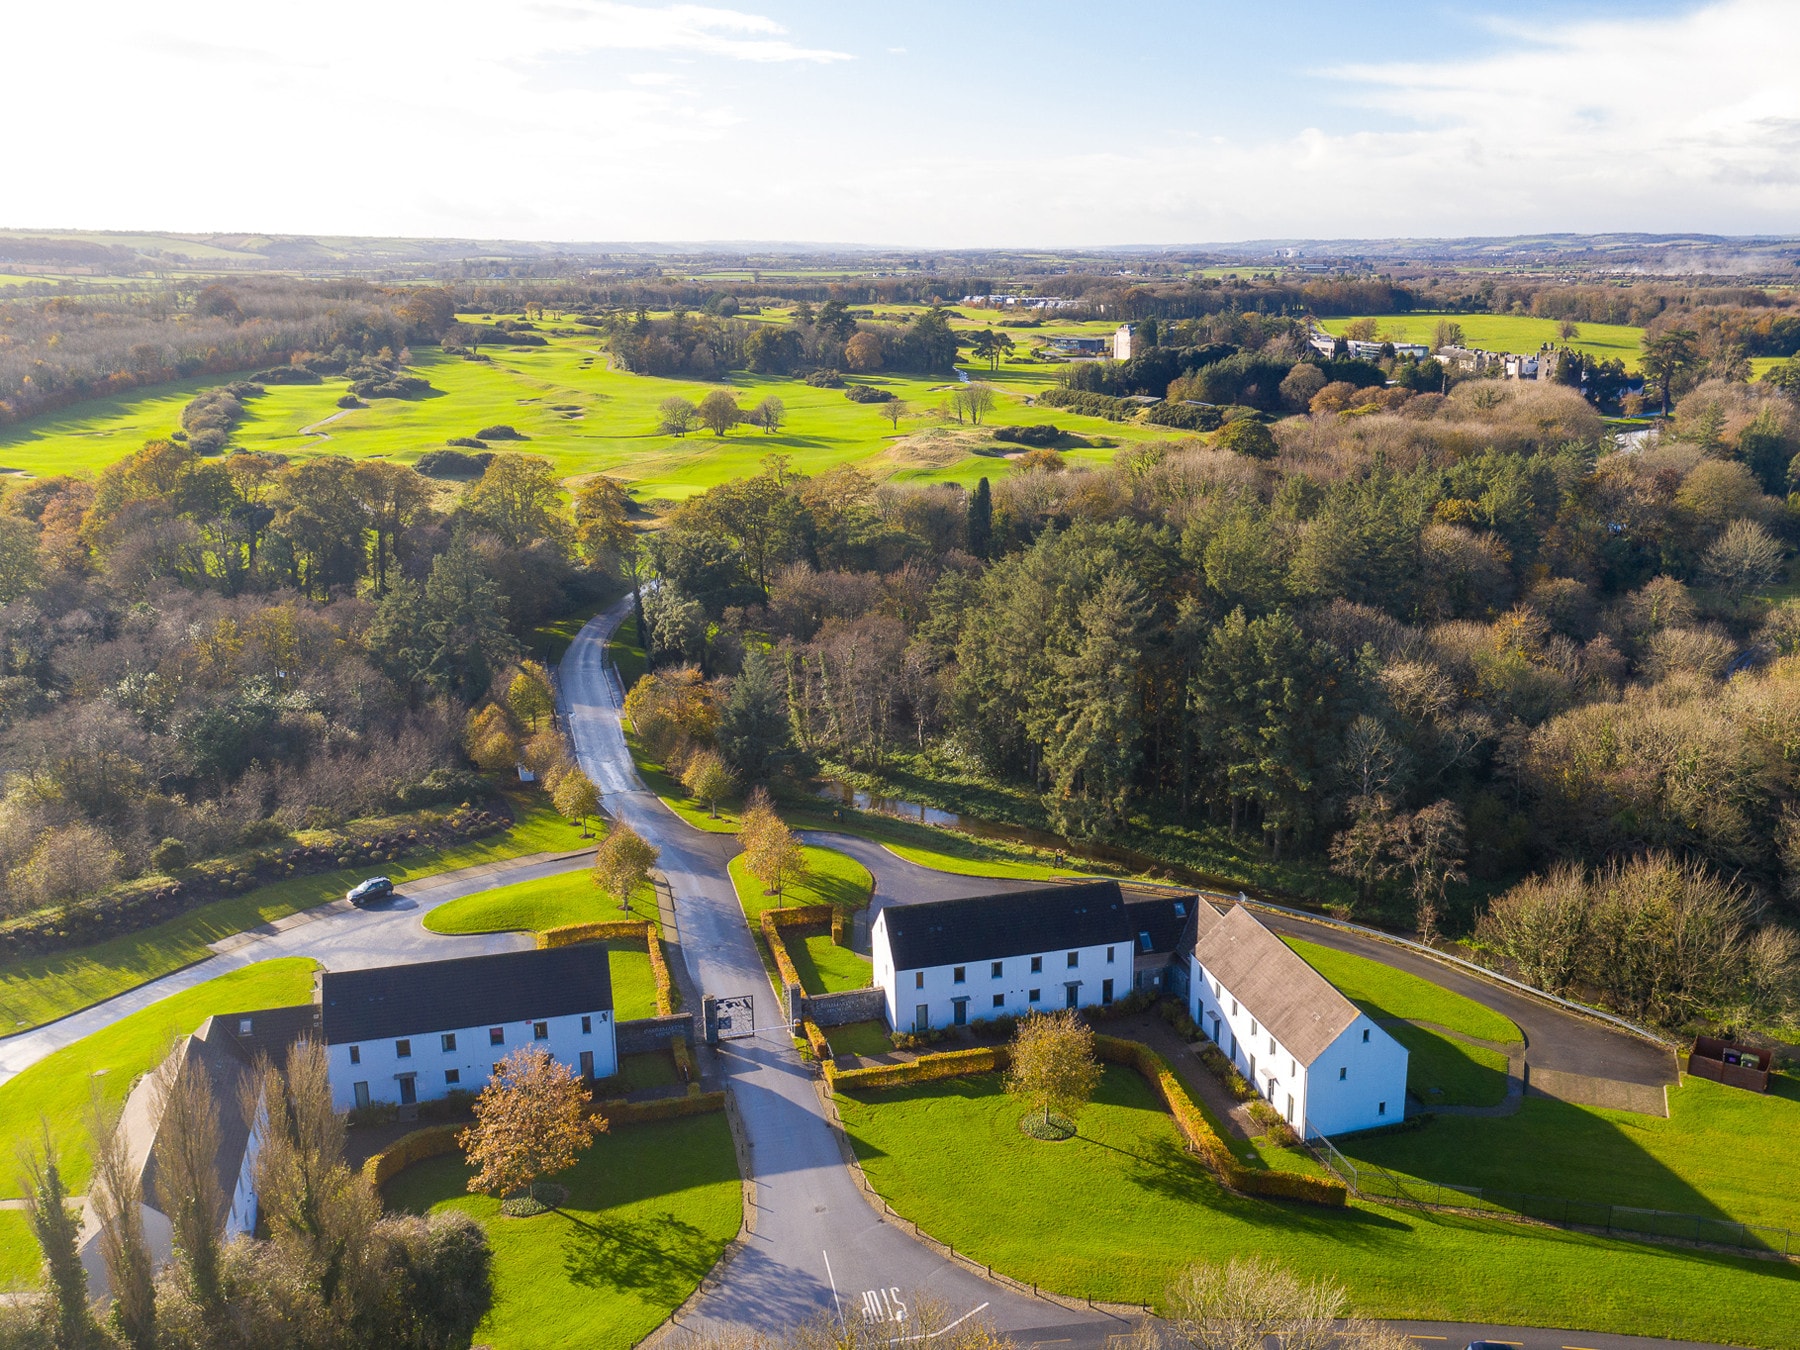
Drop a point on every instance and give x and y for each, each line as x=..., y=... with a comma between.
x=659, y=1259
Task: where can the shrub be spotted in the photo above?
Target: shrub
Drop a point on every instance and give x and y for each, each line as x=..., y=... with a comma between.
x=453, y=1105
x=1186, y=416
x=825, y=379
x=1043, y=434
x=288, y=375
x=432, y=1142
x=1089, y=405
x=169, y=857
x=350, y=401
x=501, y=433
x=867, y=393
x=441, y=785
x=453, y=464
x=466, y=442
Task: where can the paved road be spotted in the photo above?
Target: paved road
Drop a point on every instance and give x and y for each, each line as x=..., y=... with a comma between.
x=1563, y=1049
x=335, y=935
x=816, y=1244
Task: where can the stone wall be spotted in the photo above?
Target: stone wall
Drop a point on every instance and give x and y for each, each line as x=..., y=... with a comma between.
x=654, y=1033
x=852, y=1005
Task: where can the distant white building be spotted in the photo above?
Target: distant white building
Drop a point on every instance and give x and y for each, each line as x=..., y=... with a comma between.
x=405, y=1034
x=951, y=962
x=1124, y=340
x=1314, y=1055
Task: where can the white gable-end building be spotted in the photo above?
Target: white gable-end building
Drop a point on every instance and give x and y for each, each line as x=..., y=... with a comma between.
x=952, y=962
x=1313, y=1054
x=406, y=1034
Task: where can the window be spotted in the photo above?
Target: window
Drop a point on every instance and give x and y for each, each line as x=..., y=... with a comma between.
x=1381, y=1108
x=1144, y=942
x=452, y=1077
x=1034, y=995
x=540, y=1031
x=1109, y=956
x=1074, y=959
x=1181, y=909
x=243, y=1026
x=1037, y=965
x=402, y=1049
x=361, y=1092
x=1253, y=1027
x=1271, y=1045
x=496, y=1035
x=959, y=975
x=1106, y=987
x=587, y=1026
x=1234, y=1011
x=997, y=969
x=918, y=979
x=999, y=1000
x=448, y=1039
x=1293, y=1067
x=1343, y=1073
x=1365, y=1035
x=356, y=1054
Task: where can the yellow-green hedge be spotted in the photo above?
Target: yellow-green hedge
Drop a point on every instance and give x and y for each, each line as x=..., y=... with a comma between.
x=614, y=930
x=924, y=1069
x=821, y=1047
x=659, y=971
x=665, y=1108
x=784, y=964
x=432, y=1142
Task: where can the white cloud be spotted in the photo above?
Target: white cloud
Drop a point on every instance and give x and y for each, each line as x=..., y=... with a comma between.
x=455, y=117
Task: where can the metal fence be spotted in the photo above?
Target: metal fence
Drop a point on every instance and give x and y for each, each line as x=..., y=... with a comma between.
x=1371, y=1181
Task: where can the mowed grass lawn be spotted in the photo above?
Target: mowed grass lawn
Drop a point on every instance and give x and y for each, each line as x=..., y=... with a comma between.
x=832, y=878
x=1507, y=333
x=650, y=1210
x=1119, y=1210
x=581, y=414
x=1722, y=1153
x=20, y=1257
x=35, y=990
x=1440, y=1070
x=58, y=1089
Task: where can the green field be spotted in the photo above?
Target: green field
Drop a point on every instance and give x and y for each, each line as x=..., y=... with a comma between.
x=582, y=415
x=20, y=1257
x=1384, y=992
x=950, y=1156
x=1721, y=1153
x=533, y=906
x=832, y=878
x=1506, y=333
x=826, y=968
x=58, y=1088
x=650, y=1209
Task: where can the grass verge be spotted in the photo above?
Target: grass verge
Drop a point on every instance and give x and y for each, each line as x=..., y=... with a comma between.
x=832, y=878
x=1384, y=992
x=1443, y=1071
x=41, y=989
x=650, y=1210
x=533, y=906
x=860, y=1038
x=58, y=1088
x=950, y=1156
x=21, y=1261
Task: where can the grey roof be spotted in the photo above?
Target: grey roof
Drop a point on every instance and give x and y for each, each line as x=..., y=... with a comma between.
x=472, y=991
x=990, y=927
x=1299, y=1007
x=1163, y=920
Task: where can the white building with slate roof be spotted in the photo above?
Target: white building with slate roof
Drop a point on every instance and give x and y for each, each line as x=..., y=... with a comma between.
x=405, y=1034
x=1312, y=1053
x=952, y=962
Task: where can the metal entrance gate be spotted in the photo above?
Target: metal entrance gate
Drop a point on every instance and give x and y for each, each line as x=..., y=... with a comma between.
x=729, y=1019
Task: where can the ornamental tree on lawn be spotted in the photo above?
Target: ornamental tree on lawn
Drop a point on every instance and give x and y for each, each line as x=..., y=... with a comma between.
x=622, y=863
x=529, y=1123
x=1053, y=1065
x=708, y=779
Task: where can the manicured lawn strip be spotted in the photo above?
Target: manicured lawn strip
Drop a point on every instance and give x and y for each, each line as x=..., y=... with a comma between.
x=626, y=650
x=633, y=986
x=1382, y=991
x=21, y=1260
x=1461, y=1074
x=40, y=989
x=826, y=968
x=950, y=1156
x=650, y=1210
x=1722, y=1152
x=833, y=879
x=674, y=796
x=860, y=1038
x=651, y=1069
x=533, y=906
x=940, y=849
x=56, y=1089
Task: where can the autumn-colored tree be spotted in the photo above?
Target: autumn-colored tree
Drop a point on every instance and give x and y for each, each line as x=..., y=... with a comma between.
x=489, y=739
x=719, y=412
x=1053, y=1065
x=771, y=852
x=676, y=416
x=576, y=798
x=603, y=533
x=708, y=779
x=769, y=415
x=1432, y=851
x=863, y=352
x=530, y=1123
x=622, y=863
x=530, y=695
x=672, y=711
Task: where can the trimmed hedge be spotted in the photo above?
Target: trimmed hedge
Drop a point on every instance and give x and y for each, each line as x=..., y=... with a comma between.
x=815, y=1037
x=800, y=916
x=615, y=930
x=924, y=1069
x=433, y=1142
x=663, y=1108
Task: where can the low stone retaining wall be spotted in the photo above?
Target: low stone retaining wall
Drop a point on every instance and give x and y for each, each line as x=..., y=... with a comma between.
x=642, y=1034
x=849, y=1005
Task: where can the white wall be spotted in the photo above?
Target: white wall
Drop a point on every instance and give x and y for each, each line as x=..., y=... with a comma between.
x=473, y=1058
x=241, y=1217
x=1014, y=984
x=1354, y=1084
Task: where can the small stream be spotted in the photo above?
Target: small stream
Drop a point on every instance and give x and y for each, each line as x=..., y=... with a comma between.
x=835, y=790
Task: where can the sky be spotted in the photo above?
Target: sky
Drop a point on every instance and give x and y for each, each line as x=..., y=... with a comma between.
x=929, y=123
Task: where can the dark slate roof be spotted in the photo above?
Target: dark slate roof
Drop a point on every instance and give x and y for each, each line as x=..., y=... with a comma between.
x=415, y=1000
x=1159, y=921
x=990, y=927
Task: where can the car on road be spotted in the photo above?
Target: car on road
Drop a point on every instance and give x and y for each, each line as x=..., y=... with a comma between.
x=366, y=893
x=1492, y=1345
